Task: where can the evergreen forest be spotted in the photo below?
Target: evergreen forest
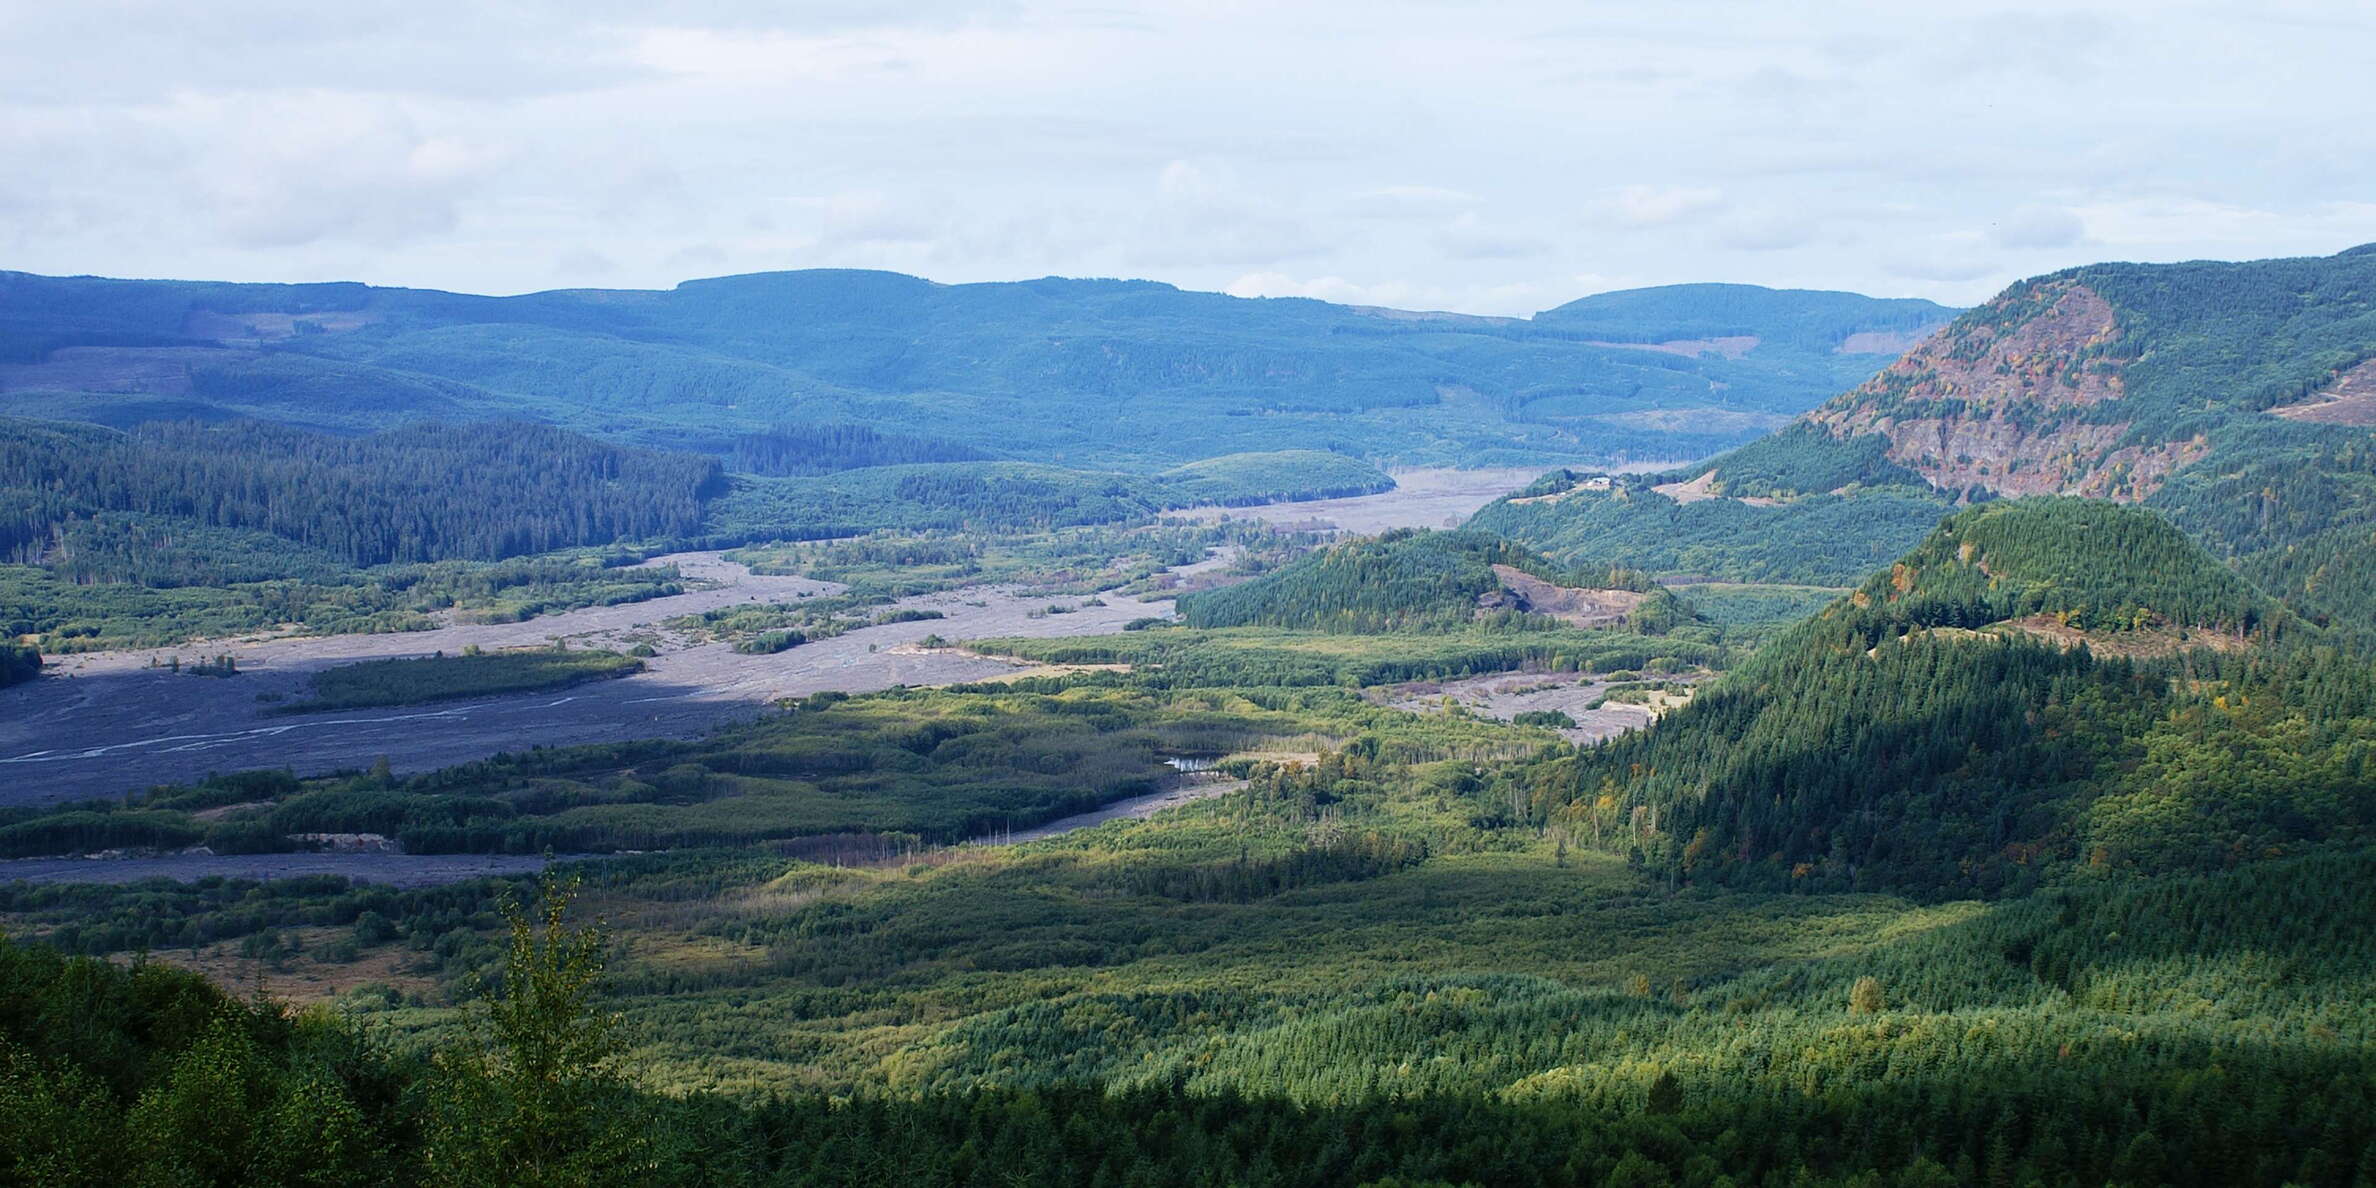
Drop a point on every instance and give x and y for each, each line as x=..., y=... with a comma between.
x=872, y=731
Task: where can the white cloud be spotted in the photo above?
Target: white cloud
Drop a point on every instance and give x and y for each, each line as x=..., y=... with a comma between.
x=1471, y=237
x=1511, y=299
x=1408, y=202
x=2035, y=226
x=1657, y=206
x=1325, y=288
x=1313, y=148
x=1767, y=231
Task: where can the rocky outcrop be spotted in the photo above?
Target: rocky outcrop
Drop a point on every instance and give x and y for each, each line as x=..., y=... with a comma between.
x=1573, y=605
x=2009, y=400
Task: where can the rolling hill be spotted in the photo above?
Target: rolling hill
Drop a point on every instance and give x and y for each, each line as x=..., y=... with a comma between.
x=1095, y=373
x=1412, y=579
x=2041, y=686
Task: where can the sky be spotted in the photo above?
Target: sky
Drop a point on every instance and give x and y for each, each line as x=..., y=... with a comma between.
x=1484, y=157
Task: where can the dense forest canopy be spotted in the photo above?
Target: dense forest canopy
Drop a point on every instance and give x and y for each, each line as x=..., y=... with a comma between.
x=1890, y=742
x=2088, y=563
x=789, y=450
x=1415, y=579
x=428, y=493
x=173, y=530
x=2014, y=1044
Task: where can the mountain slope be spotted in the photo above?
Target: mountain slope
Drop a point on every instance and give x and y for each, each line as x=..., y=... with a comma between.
x=1110, y=373
x=2039, y=686
x=2234, y=397
x=1661, y=525
x=2023, y=397
x=2106, y=380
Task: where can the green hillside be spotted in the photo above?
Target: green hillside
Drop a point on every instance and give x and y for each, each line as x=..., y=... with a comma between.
x=2093, y=565
x=1823, y=540
x=1412, y=579
x=2018, y=1043
x=2040, y=855
x=2013, y=701
x=1080, y=372
x=1234, y=480
x=1226, y=994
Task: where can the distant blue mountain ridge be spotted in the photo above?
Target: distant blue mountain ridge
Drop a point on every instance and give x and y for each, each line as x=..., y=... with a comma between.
x=1134, y=375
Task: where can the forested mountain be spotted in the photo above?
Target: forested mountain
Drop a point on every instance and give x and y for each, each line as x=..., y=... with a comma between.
x=2042, y=685
x=1086, y=372
x=1723, y=315
x=190, y=503
x=1413, y=579
x=2235, y=397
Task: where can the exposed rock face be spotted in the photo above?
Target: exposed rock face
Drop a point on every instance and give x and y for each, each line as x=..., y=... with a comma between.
x=2003, y=401
x=2143, y=643
x=1574, y=605
x=1704, y=487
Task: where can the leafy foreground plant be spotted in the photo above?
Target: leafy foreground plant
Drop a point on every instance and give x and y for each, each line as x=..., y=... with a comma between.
x=536, y=1097
x=151, y=1075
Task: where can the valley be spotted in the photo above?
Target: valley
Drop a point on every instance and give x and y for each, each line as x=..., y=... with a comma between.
x=1927, y=792
x=133, y=723
x=1040, y=595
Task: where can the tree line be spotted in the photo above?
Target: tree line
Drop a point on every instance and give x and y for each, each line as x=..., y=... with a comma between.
x=426, y=493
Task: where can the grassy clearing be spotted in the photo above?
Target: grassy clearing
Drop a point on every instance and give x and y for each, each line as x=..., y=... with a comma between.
x=446, y=678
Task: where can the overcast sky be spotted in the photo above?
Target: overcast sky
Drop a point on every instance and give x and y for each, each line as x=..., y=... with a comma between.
x=1486, y=157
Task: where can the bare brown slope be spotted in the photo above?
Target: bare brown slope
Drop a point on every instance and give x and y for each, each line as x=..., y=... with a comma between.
x=2350, y=400
x=1575, y=605
x=1996, y=402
